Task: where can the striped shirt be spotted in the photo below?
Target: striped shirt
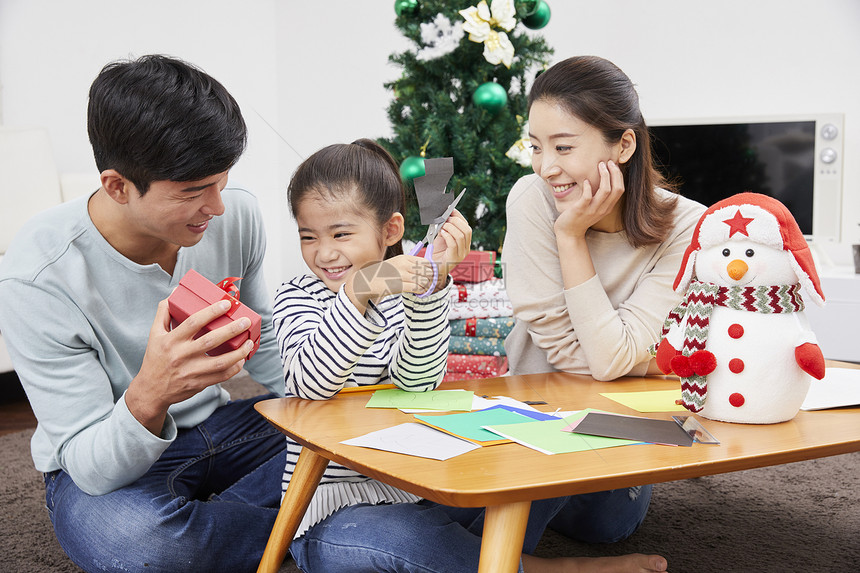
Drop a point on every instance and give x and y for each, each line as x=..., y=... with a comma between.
x=326, y=344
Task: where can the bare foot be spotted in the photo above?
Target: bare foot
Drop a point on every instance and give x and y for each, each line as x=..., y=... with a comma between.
x=633, y=563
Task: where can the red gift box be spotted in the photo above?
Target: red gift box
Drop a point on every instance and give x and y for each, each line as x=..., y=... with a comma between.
x=478, y=266
x=195, y=292
x=481, y=365
x=458, y=376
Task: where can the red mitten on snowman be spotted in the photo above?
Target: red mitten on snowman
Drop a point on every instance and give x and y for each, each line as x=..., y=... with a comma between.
x=739, y=341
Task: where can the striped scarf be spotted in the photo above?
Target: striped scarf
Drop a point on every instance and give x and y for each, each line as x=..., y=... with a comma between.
x=698, y=304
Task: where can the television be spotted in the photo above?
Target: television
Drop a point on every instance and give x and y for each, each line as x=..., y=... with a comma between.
x=796, y=159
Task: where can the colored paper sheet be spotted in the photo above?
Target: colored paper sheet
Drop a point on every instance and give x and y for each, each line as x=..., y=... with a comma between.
x=483, y=402
x=442, y=400
x=666, y=432
x=547, y=436
x=414, y=439
x=532, y=413
x=470, y=424
x=652, y=401
x=839, y=388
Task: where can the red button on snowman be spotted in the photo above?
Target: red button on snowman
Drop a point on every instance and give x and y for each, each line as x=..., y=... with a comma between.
x=740, y=341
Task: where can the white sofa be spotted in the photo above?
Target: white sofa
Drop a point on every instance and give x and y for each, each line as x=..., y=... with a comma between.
x=30, y=183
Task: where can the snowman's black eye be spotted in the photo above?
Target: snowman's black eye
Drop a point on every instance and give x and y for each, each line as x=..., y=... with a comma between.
x=749, y=252
x=726, y=252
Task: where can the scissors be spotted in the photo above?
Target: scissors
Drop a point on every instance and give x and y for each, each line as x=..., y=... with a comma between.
x=432, y=232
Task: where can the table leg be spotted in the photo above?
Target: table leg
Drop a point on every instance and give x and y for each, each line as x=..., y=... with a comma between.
x=504, y=531
x=306, y=477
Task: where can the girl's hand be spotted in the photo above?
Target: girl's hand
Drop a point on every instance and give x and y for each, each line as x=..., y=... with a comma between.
x=403, y=273
x=592, y=206
x=451, y=245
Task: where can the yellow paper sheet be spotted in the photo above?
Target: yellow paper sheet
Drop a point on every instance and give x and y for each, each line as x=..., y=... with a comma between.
x=652, y=401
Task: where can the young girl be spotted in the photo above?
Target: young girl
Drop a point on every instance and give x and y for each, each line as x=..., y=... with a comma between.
x=593, y=240
x=357, y=321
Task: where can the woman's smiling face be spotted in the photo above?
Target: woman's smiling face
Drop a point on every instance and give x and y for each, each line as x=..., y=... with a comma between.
x=566, y=151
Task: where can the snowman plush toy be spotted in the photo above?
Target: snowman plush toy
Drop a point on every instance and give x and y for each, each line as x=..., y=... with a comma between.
x=739, y=341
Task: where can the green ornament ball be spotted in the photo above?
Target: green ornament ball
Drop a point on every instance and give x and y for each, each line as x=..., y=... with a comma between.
x=405, y=6
x=525, y=8
x=412, y=167
x=539, y=18
x=490, y=97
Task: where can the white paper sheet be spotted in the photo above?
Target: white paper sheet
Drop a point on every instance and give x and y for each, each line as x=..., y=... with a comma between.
x=840, y=387
x=414, y=439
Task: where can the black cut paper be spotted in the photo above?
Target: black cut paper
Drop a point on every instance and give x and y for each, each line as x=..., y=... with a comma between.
x=634, y=428
x=433, y=201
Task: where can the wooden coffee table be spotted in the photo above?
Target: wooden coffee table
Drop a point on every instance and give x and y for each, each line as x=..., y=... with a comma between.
x=506, y=478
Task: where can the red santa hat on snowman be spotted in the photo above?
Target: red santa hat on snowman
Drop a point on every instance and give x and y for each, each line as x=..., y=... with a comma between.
x=758, y=218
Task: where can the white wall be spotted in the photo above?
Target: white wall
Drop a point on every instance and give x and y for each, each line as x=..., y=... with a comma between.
x=314, y=71
x=51, y=50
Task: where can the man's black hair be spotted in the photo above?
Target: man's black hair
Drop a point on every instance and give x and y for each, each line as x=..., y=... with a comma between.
x=158, y=118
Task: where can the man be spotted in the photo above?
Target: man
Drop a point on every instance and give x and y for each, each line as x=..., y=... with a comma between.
x=148, y=465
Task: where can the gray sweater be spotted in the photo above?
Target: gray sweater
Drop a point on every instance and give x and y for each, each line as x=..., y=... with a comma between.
x=76, y=315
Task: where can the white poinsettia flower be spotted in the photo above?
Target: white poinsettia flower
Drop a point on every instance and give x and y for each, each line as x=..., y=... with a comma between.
x=482, y=23
x=504, y=14
x=498, y=49
x=521, y=150
x=441, y=37
x=477, y=23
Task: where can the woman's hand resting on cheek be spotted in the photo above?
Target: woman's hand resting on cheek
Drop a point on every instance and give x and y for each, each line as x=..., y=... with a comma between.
x=598, y=209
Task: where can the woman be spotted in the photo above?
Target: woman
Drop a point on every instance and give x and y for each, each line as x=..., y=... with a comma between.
x=594, y=238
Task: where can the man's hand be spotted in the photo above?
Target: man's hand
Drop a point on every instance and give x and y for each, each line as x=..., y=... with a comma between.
x=176, y=367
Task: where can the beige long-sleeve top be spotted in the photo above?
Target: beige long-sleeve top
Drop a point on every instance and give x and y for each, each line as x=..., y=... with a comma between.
x=604, y=326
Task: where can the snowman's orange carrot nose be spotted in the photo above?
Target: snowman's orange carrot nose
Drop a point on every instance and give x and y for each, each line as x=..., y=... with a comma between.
x=737, y=269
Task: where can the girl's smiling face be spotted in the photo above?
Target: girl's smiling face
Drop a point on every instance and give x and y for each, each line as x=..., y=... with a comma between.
x=336, y=239
x=566, y=151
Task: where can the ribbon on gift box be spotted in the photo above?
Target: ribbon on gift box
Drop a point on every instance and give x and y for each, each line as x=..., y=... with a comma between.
x=231, y=293
x=470, y=326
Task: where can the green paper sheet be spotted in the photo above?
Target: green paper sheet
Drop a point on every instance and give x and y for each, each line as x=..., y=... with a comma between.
x=548, y=437
x=652, y=401
x=470, y=425
x=443, y=400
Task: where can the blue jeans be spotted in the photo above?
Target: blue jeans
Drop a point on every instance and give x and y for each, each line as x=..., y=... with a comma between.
x=426, y=537
x=207, y=504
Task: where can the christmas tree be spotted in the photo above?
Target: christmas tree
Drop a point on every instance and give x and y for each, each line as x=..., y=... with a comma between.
x=462, y=94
